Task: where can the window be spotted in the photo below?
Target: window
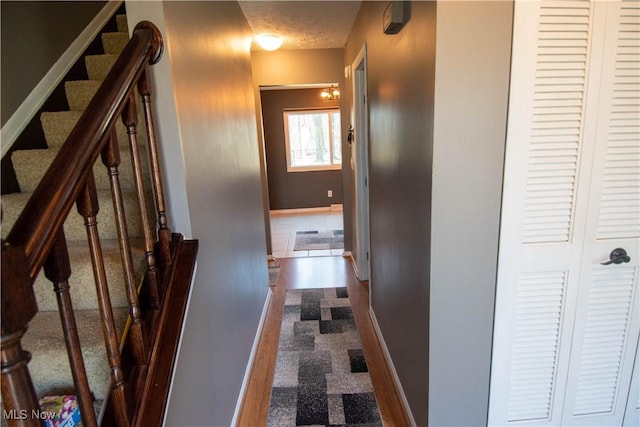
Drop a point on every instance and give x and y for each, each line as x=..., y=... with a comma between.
x=312, y=139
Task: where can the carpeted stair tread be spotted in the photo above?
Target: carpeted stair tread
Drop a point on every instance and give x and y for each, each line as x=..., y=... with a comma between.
x=31, y=165
x=13, y=204
x=49, y=365
x=57, y=125
x=121, y=21
x=82, y=282
x=80, y=92
x=98, y=66
x=114, y=43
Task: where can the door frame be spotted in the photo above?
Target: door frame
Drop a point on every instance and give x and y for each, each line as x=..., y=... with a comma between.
x=360, y=163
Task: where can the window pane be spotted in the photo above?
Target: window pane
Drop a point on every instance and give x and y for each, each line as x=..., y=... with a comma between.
x=313, y=140
x=309, y=139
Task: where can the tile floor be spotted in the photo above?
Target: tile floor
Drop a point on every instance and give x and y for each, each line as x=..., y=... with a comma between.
x=284, y=226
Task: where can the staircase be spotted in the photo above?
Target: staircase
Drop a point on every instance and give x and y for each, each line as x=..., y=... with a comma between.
x=49, y=365
x=45, y=339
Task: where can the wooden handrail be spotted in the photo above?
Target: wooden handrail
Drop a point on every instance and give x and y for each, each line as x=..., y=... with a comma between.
x=140, y=364
x=44, y=214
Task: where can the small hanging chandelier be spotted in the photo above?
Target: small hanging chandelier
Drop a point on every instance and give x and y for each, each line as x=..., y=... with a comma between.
x=331, y=93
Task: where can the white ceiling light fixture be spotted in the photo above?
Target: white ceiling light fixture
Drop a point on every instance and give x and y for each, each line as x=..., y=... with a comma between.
x=269, y=41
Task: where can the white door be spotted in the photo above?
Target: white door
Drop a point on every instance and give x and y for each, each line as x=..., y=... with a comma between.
x=360, y=163
x=632, y=415
x=566, y=327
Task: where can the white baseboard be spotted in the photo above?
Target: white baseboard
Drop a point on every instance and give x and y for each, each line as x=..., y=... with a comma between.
x=391, y=366
x=306, y=210
x=29, y=107
x=252, y=357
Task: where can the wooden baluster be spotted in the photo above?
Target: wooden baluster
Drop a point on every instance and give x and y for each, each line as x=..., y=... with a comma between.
x=111, y=159
x=152, y=279
x=164, y=234
x=58, y=269
x=88, y=208
x=18, y=308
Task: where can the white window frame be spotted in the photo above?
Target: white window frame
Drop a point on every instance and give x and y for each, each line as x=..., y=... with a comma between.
x=332, y=166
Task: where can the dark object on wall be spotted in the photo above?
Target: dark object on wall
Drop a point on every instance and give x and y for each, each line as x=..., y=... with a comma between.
x=395, y=16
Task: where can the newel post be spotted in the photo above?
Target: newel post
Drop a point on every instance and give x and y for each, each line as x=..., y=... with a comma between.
x=18, y=308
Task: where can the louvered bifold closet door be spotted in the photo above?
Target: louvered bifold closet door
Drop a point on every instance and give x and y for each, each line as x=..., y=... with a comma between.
x=607, y=324
x=543, y=211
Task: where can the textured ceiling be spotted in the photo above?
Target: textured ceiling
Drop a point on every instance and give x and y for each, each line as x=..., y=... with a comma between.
x=303, y=24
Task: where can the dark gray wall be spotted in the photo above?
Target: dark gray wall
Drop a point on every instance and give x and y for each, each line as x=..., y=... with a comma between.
x=214, y=100
x=401, y=97
x=292, y=190
x=34, y=35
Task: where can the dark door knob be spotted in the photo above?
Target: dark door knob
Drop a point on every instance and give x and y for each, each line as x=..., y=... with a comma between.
x=617, y=256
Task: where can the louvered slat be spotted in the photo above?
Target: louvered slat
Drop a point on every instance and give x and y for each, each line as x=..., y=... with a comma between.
x=556, y=124
x=619, y=216
x=535, y=347
x=607, y=322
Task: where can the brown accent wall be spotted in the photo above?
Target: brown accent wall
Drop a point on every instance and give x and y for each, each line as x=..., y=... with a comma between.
x=401, y=77
x=292, y=190
x=34, y=35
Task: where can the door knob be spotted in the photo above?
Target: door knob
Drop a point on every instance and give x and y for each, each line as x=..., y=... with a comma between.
x=617, y=256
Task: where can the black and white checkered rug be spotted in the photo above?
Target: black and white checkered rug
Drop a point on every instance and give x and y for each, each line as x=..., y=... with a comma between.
x=321, y=377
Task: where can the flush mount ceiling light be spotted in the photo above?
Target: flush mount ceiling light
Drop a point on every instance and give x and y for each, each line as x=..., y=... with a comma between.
x=269, y=41
x=331, y=93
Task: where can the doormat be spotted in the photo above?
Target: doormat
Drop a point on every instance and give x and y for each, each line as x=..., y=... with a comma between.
x=321, y=377
x=317, y=240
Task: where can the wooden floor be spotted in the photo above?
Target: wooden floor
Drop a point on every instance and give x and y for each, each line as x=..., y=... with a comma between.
x=318, y=272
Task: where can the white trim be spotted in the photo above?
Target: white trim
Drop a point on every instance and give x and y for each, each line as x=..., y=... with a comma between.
x=252, y=357
x=391, y=367
x=29, y=107
x=360, y=163
x=303, y=210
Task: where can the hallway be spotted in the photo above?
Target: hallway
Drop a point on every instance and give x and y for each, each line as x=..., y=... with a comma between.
x=284, y=226
x=308, y=273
